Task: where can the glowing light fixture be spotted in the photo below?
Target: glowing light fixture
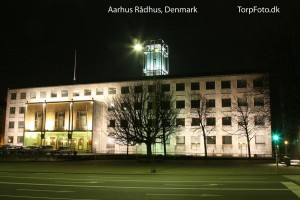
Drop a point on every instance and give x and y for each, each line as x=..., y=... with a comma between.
x=138, y=47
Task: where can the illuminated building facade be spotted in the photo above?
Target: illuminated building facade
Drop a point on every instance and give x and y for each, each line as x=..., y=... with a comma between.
x=76, y=116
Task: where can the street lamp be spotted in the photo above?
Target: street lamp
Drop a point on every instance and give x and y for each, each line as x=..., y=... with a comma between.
x=276, y=138
x=138, y=47
x=286, y=144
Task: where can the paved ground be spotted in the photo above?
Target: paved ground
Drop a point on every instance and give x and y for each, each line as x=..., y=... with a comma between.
x=130, y=180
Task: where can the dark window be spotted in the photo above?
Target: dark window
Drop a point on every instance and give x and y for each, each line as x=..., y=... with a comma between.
x=258, y=82
x=195, y=86
x=180, y=87
x=138, y=89
x=225, y=85
x=165, y=87
x=211, y=139
x=125, y=90
x=138, y=106
x=226, y=120
x=165, y=104
x=195, y=103
x=242, y=102
x=112, y=123
x=20, y=139
x=13, y=96
x=124, y=123
x=21, y=110
x=210, y=85
x=226, y=102
x=180, y=104
x=11, y=125
x=226, y=139
x=195, y=122
x=210, y=121
x=150, y=88
x=210, y=103
x=180, y=122
x=258, y=101
x=241, y=83
x=12, y=110
x=166, y=123
x=259, y=121
x=23, y=95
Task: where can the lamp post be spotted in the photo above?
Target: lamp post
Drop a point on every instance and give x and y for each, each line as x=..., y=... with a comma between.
x=276, y=138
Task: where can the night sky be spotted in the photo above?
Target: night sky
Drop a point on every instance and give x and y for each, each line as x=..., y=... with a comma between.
x=38, y=38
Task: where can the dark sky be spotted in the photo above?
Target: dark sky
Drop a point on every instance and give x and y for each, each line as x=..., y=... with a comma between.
x=38, y=38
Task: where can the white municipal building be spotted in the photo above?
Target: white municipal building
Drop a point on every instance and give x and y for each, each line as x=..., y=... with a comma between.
x=76, y=115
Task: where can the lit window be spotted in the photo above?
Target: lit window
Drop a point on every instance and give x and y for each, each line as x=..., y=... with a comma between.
x=64, y=93
x=99, y=91
x=112, y=90
x=76, y=93
x=43, y=94
x=260, y=139
x=180, y=140
x=53, y=94
x=10, y=139
x=195, y=140
x=87, y=92
x=32, y=95
x=21, y=124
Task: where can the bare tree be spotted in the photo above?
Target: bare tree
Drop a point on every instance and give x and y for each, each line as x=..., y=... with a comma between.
x=201, y=114
x=251, y=111
x=142, y=114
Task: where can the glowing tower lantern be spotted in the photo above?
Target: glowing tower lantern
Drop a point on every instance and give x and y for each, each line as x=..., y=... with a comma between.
x=156, y=58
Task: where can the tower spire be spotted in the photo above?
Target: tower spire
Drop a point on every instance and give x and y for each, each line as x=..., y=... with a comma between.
x=74, y=78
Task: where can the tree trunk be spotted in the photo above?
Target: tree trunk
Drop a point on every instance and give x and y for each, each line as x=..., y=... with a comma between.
x=164, y=141
x=204, y=141
x=149, y=151
x=248, y=144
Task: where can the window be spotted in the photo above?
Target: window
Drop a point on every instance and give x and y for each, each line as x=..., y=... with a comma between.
x=43, y=94
x=124, y=123
x=259, y=120
x=12, y=110
x=211, y=121
x=225, y=85
x=23, y=95
x=11, y=124
x=211, y=139
x=195, y=103
x=13, y=96
x=260, y=139
x=21, y=110
x=226, y=102
x=112, y=123
x=137, y=106
x=32, y=95
x=165, y=105
x=258, y=82
x=38, y=120
x=165, y=87
x=21, y=124
x=226, y=121
x=258, y=101
x=180, y=87
x=99, y=91
x=210, y=85
x=81, y=120
x=76, y=93
x=180, y=122
x=180, y=140
x=242, y=121
x=10, y=139
x=59, y=120
x=180, y=104
x=112, y=90
x=210, y=103
x=226, y=140
x=241, y=83
x=195, y=122
x=150, y=88
x=20, y=139
x=53, y=94
x=125, y=90
x=242, y=101
x=87, y=92
x=138, y=89
x=64, y=93
x=195, y=86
